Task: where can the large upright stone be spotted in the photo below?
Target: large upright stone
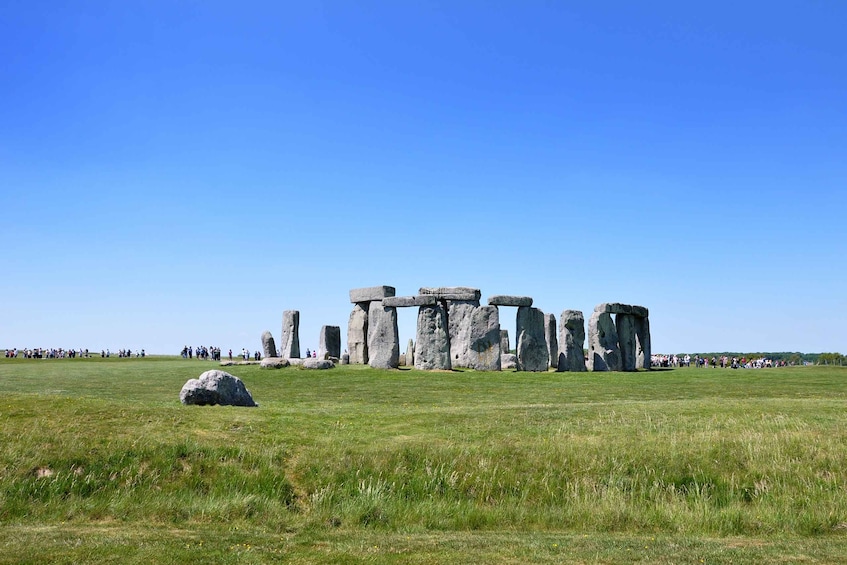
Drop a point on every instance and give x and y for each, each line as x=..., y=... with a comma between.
x=268, y=345
x=551, y=339
x=625, y=326
x=432, y=342
x=410, y=354
x=504, y=342
x=383, y=336
x=603, y=351
x=532, y=351
x=357, y=334
x=290, y=342
x=484, y=339
x=370, y=293
x=460, y=319
x=329, y=342
x=643, y=350
x=571, y=341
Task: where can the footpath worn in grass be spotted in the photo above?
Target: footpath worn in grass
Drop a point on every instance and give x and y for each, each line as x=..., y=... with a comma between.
x=99, y=462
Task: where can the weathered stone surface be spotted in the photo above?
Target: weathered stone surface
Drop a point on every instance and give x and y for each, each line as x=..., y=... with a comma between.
x=216, y=387
x=407, y=301
x=571, y=341
x=383, y=338
x=508, y=361
x=367, y=294
x=410, y=353
x=640, y=311
x=345, y=359
x=504, y=342
x=402, y=360
x=357, y=334
x=459, y=320
x=290, y=342
x=329, y=342
x=625, y=326
x=643, y=350
x=551, y=339
x=268, y=345
x=484, y=339
x=507, y=300
x=274, y=363
x=318, y=364
x=532, y=351
x=432, y=341
x=452, y=292
x=603, y=351
x=613, y=308
x=296, y=361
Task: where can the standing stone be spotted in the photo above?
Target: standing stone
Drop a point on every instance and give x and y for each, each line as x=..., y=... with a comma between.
x=329, y=342
x=603, y=351
x=410, y=354
x=551, y=339
x=504, y=342
x=625, y=326
x=432, y=343
x=642, y=340
x=383, y=336
x=532, y=351
x=357, y=334
x=290, y=343
x=484, y=339
x=571, y=342
x=460, y=319
x=268, y=345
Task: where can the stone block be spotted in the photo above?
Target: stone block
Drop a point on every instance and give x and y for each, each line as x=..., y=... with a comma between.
x=452, y=292
x=504, y=342
x=603, y=351
x=532, y=351
x=371, y=293
x=408, y=301
x=551, y=339
x=432, y=342
x=290, y=342
x=484, y=339
x=357, y=334
x=329, y=342
x=625, y=326
x=268, y=345
x=571, y=342
x=507, y=300
x=383, y=337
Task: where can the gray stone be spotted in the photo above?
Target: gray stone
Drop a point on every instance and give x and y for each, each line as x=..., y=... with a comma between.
x=296, y=361
x=643, y=351
x=625, y=326
x=603, y=351
x=290, y=342
x=216, y=387
x=459, y=321
x=410, y=354
x=452, y=292
x=532, y=351
x=402, y=360
x=504, y=342
x=551, y=339
x=345, y=359
x=407, y=301
x=274, y=363
x=268, y=345
x=318, y=364
x=357, y=334
x=371, y=293
x=383, y=338
x=329, y=342
x=571, y=342
x=640, y=311
x=613, y=308
x=484, y=339
x=432, y=342
x=508, y=361
x=507, y=300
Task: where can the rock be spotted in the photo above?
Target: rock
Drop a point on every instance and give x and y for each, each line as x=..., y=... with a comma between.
x=504, y=342
x=459, y=320
x=296, y=361
x=532, y=351
x=370, y=293
x=484, y=339
x=550, y=339
x=227, y=363
x=625, y=326
x=432, y=344
x=452, y=292
x=268, y=345
x=329, y=342
x=345, y=359
x=640, y=311
x=318, y=364
x=613, y=308
x=571, y=342
x=357, y=334
x=507, y=300
x=508, y=361
x=603, y=351
x=402, y=360
x=643, y=350
x=406, y=301
x=290, y=344
x=274, y=363
x=216, y=387
x=383, y=338
x=410, y=354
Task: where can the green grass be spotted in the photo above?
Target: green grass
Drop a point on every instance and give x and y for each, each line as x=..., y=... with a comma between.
x=100, y=463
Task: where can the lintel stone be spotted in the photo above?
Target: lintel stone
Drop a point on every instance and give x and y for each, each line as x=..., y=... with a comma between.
x=508, y=300
x=452, y=292
x=371, y=293
x=406, y=301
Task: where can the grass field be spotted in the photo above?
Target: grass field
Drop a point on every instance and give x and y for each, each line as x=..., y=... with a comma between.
x=99, y=463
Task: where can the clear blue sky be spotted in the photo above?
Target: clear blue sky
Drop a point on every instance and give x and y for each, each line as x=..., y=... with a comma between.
x=182, y=172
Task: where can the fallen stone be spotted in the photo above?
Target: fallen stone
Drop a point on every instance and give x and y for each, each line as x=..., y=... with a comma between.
x=484, y=339
x=407, y=301
x=508, y=361
x=603, y=351
x=371, y=293
x=507, y=300
x=296, y=361
x=274, y=363
x=571, y=342
x=532, y=351
x=268, y=345
x=290, y=343
x=329, y=342
x=432, y=341
x=318, y=364
x=551, y=339
x=383, y=338
x=357, y=334
x=216, y=387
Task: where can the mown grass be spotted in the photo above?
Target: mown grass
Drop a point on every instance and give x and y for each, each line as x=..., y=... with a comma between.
x=100, y=462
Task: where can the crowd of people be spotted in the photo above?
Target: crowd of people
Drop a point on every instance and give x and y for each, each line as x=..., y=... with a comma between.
x=60, y=353
x=723, y=362
x=211, y=353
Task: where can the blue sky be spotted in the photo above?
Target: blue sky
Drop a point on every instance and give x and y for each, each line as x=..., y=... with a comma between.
x=182, y=172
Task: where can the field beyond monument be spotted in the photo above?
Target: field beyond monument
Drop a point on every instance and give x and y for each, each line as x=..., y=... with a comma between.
x=99, y=461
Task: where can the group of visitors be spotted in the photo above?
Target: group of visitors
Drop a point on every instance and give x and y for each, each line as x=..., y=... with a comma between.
x=202, y=352
x=46, y=353
x=714, y=362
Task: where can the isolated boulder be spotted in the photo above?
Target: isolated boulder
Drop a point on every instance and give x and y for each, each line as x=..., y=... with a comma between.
x=216, y=387
x=274, y=363
x=318, y=364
